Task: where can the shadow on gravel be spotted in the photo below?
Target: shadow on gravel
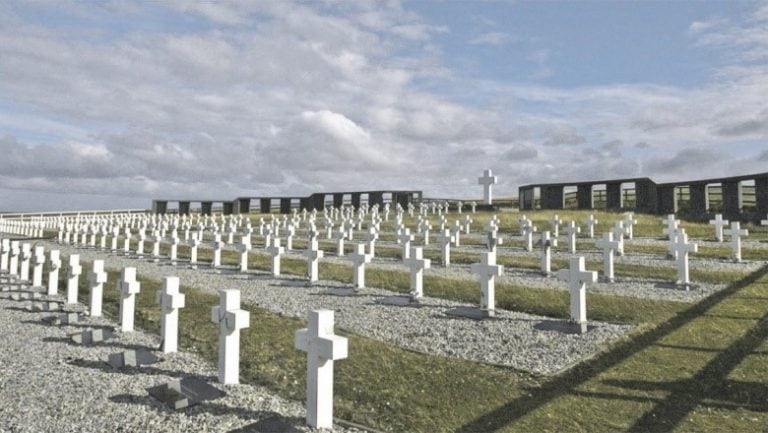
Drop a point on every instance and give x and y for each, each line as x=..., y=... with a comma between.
x=132, y=371
x=266, y=418
x=71, y=325
x=108, y=343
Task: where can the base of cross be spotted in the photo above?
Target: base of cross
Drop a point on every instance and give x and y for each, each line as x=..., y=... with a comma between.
x=471, y=313
x=400, y=301
x=183, y=393
x=564, y=326
x=685, y=286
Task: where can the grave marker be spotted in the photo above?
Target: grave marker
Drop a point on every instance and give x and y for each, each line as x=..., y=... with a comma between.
x=231, y=319
x=487, y=270
x=577, y=278
x=170, y=301
x=417, y=263
x=719, y=223
x=735, y=232
x=73, y=276
x=96, y=279
x=129, y=288
x=359, y=258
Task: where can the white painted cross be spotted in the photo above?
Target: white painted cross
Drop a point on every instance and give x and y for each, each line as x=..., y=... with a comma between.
x=174, y=246
x=359, y=258
x=493, y=240
x=577, y=278
x=417, y=263
x=467, y=224
x=456, y=233
x=231, y=319
x=671, y=226
x=290, y=231
x=313, y=258
x=444, y=239
x=487, y=271
x=127, y=241
x=340, y=235
x=609, y=246
x=629, y=223
x=37, y=271
x=170, y=301
x=5, y=245
x=276, y=251
x=194, y=245
x=26, y=256
x=719, y=223
x=591, y=222
x=528, y=229
x=547, y=242
x=735, y=232
x=129, y=288
x=682, y=248
x=73, y=276
x=218, y=245
x=405, y=240
x=244, y=247
x=322, y=347
x=96, y=279
x=618, y=234
x=371, y=236
x=571, y=231
x=54, y=260
x=555, y=223
x=487, y=180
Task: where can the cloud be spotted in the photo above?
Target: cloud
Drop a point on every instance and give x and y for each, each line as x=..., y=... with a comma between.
x=494, y=39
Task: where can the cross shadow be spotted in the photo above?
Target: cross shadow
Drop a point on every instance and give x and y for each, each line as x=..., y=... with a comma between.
x=674, y=409
x=106, y=343
x=101, y=365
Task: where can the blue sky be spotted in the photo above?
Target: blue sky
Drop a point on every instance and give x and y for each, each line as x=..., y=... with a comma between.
x=111, y=103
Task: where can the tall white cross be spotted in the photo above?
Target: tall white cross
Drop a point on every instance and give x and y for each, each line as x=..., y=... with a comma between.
x=276, y=251
x=405, y=240
x=571, y=231
x=244, y=247
x=546, y=252
x=313, y=258
x=129, y=288
x=170, y=301
x=609, y=246
x=467, y=224
x=735, y=232
x=682, y=248
x=445, y=238
x=96, y=279
x=629, y=223
x=618, y=234
x=671, y=226
x=218, y=245
x=417, y=263
x=54, y=260
x=359, y=258
x=73, y=277
x=591, y=222
x=231, y=319
x=322, y=347
x=487, y=270
x=555, y=222
x=340, y=235
x=39, y=261
x=578, y=278
x=719, y=223
x=487, y=180
x=456, y=233
x=5, y=245
x=371, y=236
x=26, y=256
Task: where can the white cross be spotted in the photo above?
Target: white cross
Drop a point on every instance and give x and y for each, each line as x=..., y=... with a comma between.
x=671, y=225
x=572, y=230
x=578, y=278
x=528, y=229
x=618, y=234
x=467, y=223
x=73, y=275
x=629, y=223
x=591, y=222
x=445, y=238
x=425, y=227
x=405, y=240
x=608, y=245
x=487, y=270
x=555, y=222
x=719, y=223
x=231, y=319
x=359, y=258
x=218, y=245
x=322, y=347
x=487, y=180
x=493, y=241
x=546, y=252
x=275, y=251
x=417, y=263
x=313, y=255
x=735, y=232
x=290, y=232
x=456, y=233
x=26, y=255
x=96, y=279
x=39, y=261
x=244, y=247
x=340, y=235
x=682, y=248
x=54, y=260
x=129, y=288
x=170, y=301
x=371, y=236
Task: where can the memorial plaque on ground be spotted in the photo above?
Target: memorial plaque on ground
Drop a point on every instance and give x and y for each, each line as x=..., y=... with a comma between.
x=132, y=358
x=183, y=393
x=90, y=336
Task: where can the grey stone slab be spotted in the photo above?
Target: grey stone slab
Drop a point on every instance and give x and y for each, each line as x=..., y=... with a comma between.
x=38, y=307
x=132, y=358
x=471, y=313
x=400, y=301
x=564, y=326
x=90, y=336
x=62, y=319
x=184, y=393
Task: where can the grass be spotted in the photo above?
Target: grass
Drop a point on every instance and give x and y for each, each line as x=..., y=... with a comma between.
x=700, y=367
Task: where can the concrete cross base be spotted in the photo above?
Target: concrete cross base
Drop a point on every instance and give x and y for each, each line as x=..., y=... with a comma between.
x=62, y=319
x=471, y=313
x=90, y=336
x=183, y=393
x=132, y=358
x=38, y=307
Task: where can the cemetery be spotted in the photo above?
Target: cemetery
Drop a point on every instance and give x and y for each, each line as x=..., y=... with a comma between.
x=388, y=311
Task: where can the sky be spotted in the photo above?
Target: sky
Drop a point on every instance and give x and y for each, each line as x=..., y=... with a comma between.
x=109, y=104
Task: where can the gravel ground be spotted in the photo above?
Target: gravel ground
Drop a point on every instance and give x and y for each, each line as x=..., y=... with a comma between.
x=49, y=384
x=511, y=339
